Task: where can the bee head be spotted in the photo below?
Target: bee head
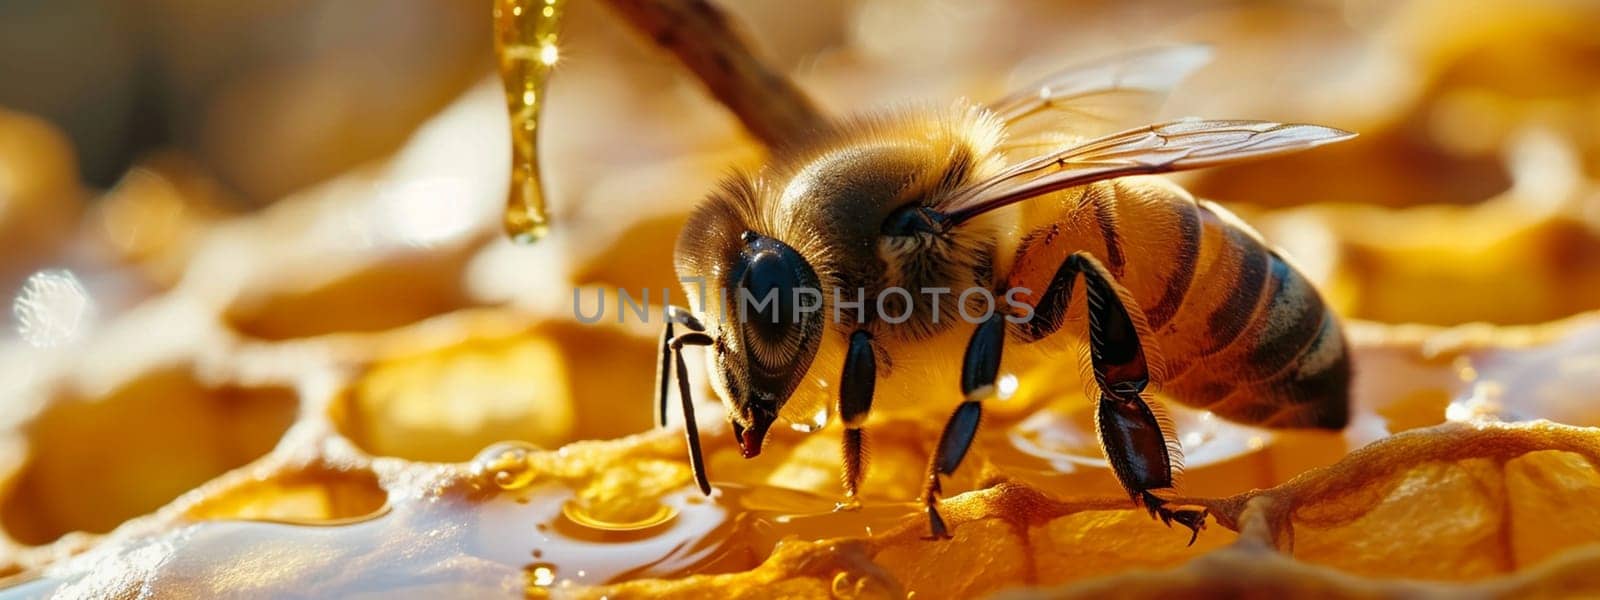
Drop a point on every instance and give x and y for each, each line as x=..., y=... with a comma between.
x=761, y=302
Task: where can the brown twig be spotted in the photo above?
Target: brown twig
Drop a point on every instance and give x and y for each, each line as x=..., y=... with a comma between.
x=704, y=40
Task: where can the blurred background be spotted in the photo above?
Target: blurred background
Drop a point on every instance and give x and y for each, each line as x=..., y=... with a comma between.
x=195, y=178
x=310, y=87
x=226, y=108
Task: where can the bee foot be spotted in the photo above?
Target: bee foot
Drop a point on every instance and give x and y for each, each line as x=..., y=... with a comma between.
x=1193, y=517
x=936, y=527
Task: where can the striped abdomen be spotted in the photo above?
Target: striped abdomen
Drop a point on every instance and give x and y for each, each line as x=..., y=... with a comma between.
x=1242, y=333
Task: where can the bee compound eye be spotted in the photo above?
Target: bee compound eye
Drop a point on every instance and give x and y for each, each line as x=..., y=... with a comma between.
x=776, y=324
x=776, y=289
x=771, y=282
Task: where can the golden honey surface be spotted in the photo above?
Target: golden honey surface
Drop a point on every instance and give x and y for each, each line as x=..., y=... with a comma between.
x=366, y=391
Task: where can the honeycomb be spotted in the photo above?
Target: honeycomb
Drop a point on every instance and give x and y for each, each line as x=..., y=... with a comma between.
x=365, y=391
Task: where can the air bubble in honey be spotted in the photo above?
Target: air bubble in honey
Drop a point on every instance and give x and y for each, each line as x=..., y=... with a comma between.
x=505, y=464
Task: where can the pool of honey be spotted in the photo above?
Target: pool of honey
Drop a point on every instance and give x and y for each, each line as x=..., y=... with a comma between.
x=508, y=522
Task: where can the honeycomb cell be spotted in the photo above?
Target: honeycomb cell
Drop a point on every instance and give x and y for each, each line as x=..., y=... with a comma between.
x=1454, y=516
x=95, y=462
x=398, y=292
x=1552, y=499
x=1553, y=264
x=985, y=556
x=549, y=386
x=309, y=496
x=1097, y=543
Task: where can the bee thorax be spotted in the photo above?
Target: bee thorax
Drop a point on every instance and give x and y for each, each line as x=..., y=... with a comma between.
x=932, y=281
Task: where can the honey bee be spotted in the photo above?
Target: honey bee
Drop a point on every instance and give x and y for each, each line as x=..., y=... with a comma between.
x=829, y=253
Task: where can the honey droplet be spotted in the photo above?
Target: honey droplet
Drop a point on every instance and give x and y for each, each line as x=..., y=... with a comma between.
x=815, y=423
x=525, y=39
x=505, y=464
x=540, y=575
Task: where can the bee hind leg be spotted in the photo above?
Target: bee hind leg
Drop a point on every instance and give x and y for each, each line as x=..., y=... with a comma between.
x=855, y=401
x=1130, y=432
x=979, y=369
x=1137, y=449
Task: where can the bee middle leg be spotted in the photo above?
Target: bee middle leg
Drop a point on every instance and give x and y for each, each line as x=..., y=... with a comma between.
x=856, y=385
x=1131, y=435
x=979, y=369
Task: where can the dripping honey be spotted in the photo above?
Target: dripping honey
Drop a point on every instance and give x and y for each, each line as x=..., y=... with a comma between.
x=525, y=44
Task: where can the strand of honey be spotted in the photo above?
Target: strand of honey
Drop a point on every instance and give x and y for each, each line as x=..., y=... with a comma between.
x=525, y=42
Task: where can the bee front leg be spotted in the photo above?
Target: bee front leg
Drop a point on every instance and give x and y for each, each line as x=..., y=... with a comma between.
x=856, y=385
x=1130, y=433
x=671, y=362
x=979, y=370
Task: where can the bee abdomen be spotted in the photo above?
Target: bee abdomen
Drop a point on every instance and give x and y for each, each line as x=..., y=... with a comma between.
x=1282, y=362
x=1283, y=375
x=1241, y=332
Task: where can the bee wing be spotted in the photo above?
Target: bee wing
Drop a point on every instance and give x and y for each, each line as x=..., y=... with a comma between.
x=1099, y=97
x=1160, y=148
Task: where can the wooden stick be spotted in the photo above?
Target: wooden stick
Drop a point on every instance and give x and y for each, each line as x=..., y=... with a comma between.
x=704, y=40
